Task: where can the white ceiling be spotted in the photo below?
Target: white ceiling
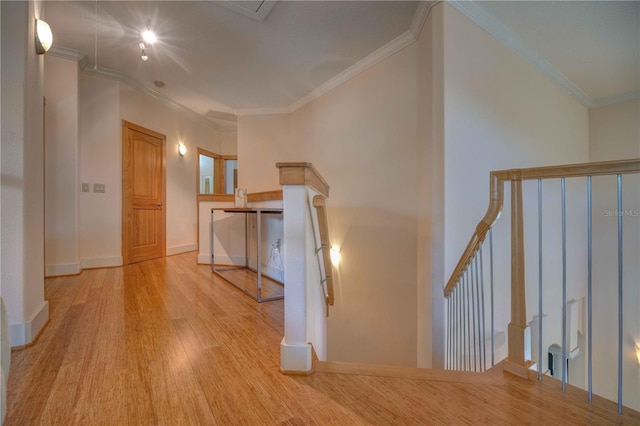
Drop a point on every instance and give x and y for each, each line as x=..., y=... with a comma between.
x=255, y=55
x=213, y=58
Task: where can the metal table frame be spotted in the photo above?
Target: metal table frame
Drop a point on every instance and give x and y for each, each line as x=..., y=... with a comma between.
x=258, y=211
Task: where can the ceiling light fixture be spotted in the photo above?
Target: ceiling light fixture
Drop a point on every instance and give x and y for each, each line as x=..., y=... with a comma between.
x=44, y=37
x=149, y=36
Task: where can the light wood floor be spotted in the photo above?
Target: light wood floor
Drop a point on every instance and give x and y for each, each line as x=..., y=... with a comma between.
x=247, y=281
x=167, y=342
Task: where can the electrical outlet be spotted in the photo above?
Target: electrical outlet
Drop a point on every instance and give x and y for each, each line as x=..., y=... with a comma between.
x=85, y=187
x=98, y=187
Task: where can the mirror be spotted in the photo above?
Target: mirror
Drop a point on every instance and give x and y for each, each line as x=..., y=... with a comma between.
x=217, y=174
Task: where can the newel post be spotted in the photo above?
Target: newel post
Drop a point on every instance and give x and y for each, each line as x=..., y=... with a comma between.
x=516, y=362
x=295, y=348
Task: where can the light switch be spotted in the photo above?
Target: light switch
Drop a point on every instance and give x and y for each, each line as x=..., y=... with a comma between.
x=85, y=187
x=98, y=187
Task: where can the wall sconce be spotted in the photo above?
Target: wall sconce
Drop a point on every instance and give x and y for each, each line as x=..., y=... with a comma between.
x=44, y=37
x=638, y=353
x=335, y=256
x=182, y=149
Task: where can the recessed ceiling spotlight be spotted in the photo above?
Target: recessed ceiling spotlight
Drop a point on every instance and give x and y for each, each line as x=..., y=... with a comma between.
x=149, y=36
x=158, y=83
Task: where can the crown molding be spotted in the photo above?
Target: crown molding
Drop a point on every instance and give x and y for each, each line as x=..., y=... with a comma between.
x=219, y=115
x=420, y=17
x=66, y=53
x=497, y=29
x=394, y=46
x=403, y=40
x=135, y=84
x=610, y=100
x=263, y=111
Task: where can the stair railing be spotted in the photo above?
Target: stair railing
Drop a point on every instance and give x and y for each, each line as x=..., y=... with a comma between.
x=466, y=344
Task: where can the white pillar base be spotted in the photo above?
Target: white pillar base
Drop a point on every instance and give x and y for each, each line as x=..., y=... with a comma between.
x=295, y=359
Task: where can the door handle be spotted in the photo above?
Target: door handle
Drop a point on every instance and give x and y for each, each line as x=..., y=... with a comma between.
x=159, y=204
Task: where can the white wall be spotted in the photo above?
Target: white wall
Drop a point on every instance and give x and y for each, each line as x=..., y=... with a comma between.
x=361, y=138
x=104, y=103
x=228, y=142
x=263, y=140
x=614, y=133
x=62, y=152
x=100, y=162
x=502, y=113
x=22, y=227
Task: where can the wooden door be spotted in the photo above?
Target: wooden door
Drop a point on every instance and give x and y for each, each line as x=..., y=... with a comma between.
x=143, y=194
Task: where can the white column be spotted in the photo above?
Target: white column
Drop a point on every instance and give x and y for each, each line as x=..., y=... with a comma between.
x=295, y=350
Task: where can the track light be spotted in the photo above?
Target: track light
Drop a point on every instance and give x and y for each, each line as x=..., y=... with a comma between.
x=149, y=36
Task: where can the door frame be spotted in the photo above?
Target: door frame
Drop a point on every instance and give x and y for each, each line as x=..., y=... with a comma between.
x=126, y=205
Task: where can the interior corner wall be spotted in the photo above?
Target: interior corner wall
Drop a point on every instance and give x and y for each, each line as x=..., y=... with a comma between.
x=229, y=142
x=22, y=217
x=263, y=141
x=145, y=111
x=500, y=113
x=614, y=134
x=430, y=195
x=361, y=136
x=100, y=162
x=62, y=152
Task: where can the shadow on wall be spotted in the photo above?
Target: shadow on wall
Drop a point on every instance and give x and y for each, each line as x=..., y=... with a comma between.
x=374, y=319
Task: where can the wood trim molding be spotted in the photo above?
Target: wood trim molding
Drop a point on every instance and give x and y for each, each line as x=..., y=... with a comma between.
x=502, y=33
x=216, y=197
x=144, y=130
x=265, y=196
x=301, y=173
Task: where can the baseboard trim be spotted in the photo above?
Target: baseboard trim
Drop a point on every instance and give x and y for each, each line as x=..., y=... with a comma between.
x=295, y=359
x=181, y=249
x=204, y=259
x=59, y=269
x=23, y=334
x=296, y=373
x=101, y=262
x=521, y=370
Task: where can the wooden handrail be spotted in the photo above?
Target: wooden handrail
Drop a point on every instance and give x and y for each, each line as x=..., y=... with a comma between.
x=325, y=245
x=300, y=173
x=516, y=362
x=496, y=198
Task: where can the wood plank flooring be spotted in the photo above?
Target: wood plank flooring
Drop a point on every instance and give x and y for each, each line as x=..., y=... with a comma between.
x=167, y=342
x=247, y=281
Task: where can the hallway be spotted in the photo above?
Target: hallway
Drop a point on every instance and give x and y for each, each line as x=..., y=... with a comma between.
x=167, y=342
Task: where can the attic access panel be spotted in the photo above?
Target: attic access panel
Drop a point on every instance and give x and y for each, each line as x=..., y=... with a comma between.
x=254, y=9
